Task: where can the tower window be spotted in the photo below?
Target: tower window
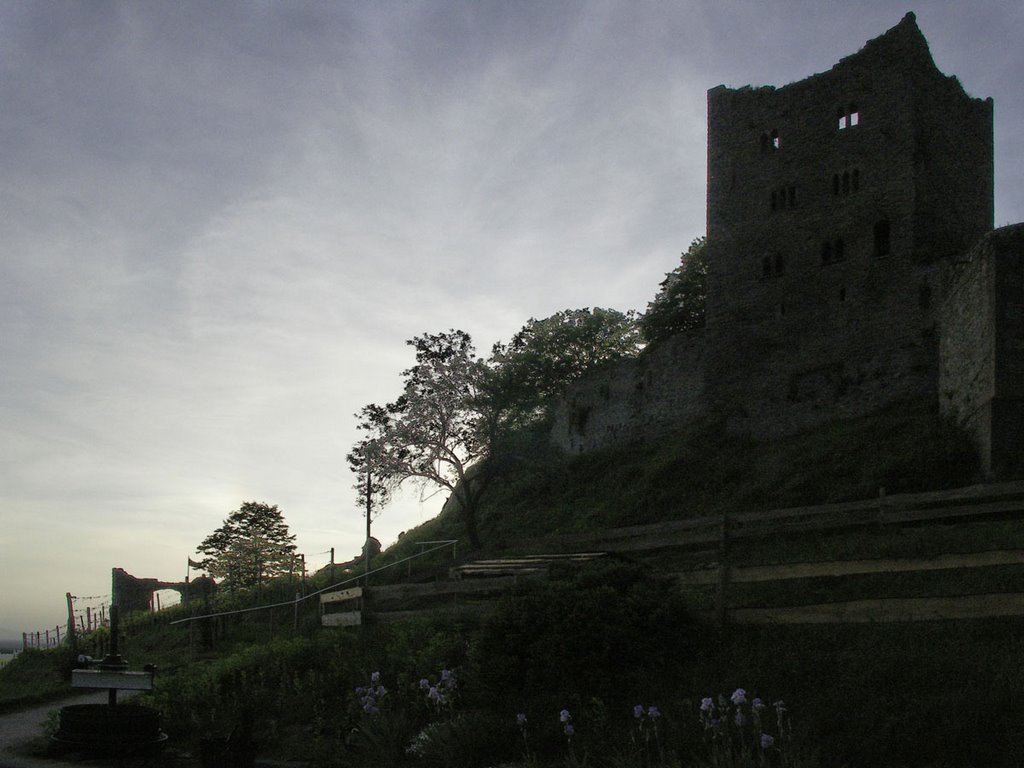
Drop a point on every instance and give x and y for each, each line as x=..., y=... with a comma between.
x=838, y=250
x=848, y=117
x=846, y=182
x=775, y=202
x=826, y=252
x=772, y=266
x=791, y=197
x=883, y=235
x=776, y=143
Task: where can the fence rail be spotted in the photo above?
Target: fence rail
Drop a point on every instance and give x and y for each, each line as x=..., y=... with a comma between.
x=973, y=502
x=707, y=541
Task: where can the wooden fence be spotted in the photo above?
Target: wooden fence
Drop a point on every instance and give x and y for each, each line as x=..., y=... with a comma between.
x=709, y=543
x=385, y=604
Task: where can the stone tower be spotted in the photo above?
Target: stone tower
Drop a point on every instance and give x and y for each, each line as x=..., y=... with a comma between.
x=852, y=265
x=832, y=203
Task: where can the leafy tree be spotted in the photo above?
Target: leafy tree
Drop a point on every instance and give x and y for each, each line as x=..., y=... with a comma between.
x=251, y=547
x=457, y=411
x=680, y=304
x=545, y=356
x=434, y=432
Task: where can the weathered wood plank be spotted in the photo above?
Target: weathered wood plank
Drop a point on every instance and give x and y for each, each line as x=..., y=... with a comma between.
x=346, y=619
x=391, y=617
x=978, y=500
x=780, y=572
x=406, y=591
x=947, y=512
x=341, y=595
x=887, y=610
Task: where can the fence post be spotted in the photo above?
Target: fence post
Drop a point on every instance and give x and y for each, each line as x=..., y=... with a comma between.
x=71, y=621
x=722, y=595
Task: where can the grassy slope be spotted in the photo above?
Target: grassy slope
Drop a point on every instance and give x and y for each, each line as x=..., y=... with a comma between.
x=704, y=471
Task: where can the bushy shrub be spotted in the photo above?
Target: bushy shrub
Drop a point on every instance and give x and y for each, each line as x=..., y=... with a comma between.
x=607, y=634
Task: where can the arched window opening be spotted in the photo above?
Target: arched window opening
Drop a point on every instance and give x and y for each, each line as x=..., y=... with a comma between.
x=883, y=236
x=846, y=182
x=826, y=252
x=778, y=264
x=766, y=267
x=835, y=183
x=791, y=197
x=837, y=250
x=855, y=179
x=774, y=201
x=842, y=294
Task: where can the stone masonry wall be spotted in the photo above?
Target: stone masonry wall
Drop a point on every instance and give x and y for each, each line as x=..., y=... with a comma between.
x=634, y=399
x=981, y=382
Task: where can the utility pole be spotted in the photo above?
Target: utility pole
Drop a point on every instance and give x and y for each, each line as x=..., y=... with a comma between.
x=369, y=505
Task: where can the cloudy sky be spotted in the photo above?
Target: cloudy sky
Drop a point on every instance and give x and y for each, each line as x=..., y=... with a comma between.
x=219, y=221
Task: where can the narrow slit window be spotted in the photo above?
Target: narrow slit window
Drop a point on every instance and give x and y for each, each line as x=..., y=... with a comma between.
x=838, y=249
x=826, y=252
x=835, y=183
x=766, y=267
x=846, y=182
x=791, y=197
x=775, y=201
x=855, y=180
x=883, y=236
x=778, y=264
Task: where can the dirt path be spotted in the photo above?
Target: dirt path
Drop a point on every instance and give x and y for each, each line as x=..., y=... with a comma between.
x=17, y=729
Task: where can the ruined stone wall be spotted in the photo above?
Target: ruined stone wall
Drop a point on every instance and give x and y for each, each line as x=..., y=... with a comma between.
x=634, y=399
x=981, y=382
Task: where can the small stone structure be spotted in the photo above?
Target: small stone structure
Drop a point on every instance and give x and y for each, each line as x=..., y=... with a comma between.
x=852, y=264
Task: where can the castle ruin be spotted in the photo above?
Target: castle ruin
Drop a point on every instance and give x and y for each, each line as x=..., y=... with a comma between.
x=852, y=264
